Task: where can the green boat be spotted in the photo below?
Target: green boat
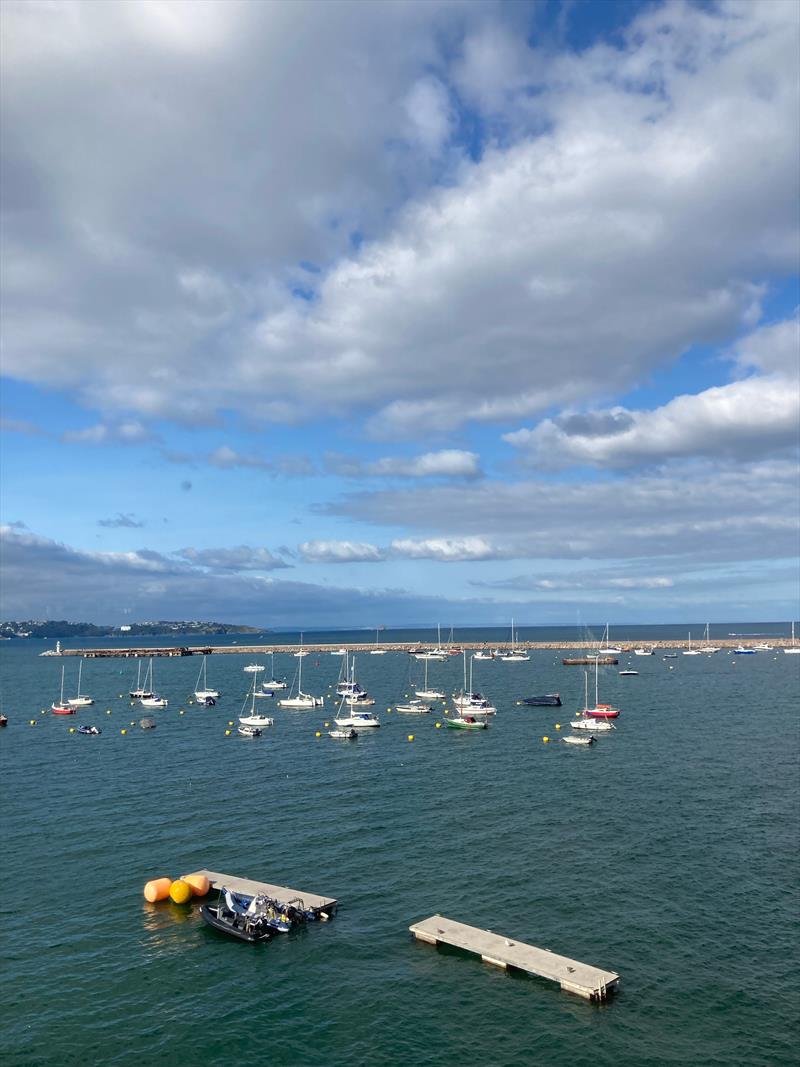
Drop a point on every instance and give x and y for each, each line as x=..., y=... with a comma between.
x=465, y=722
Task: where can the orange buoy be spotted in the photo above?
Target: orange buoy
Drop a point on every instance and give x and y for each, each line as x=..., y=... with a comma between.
x=199, y=883
x=157, y=889
x=180, y=892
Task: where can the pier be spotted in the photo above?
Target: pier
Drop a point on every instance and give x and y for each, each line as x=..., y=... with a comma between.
x=723, y=644
x=323, y=905
x=592, y=983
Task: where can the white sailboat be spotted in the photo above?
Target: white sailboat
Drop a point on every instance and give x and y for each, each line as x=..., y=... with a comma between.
x=377, y=650
x=348, y=687
x=708, y=648
x=584, y=720
x=274, y=683
x=692, y=651
x=301, y=651
x=301, y=700
x=79, y=701
x=468, y=699
x=428, y=694
x=140, y=690
x=352, y=719
x=413, y=707
x=514, y=655
x=253, y=718
x=794, y=649
x=202, y=692
x=433, y=653
x=153, y=700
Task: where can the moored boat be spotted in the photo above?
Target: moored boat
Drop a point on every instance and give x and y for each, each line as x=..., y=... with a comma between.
x=465, y=722
x=546, y=700
x=61, y=707
x=246, y=730
x=569, y=740
x=344, y=735
x=241, y=926
x=94, y=731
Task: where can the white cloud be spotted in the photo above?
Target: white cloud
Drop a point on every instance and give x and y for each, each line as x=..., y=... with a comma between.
x=128, y=432
x=687, y=512
x=241, y=558
x=448, y=463
x=445, y=549
x=340, y=552
x=747, y=419
x=664, y=169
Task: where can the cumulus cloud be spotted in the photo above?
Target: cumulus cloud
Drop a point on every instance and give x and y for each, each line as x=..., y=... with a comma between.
x=746, y=419
x=228, y=458
x=447, y=463
x=241, y=558
x=662, y=167
x=340, y=552
x=42, y=578
x=689, y=511
x=122, y=521
x=128, y=432
x=446, y=549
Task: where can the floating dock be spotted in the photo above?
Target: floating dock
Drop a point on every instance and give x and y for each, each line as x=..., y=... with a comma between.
x=592, y=983
x=281, y=893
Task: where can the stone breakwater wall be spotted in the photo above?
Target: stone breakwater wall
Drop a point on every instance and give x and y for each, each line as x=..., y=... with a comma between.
x=669, y=645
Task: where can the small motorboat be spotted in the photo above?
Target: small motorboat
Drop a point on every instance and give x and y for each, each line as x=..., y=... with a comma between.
x=147, y=724
x=546, y=700
x=578, y=740
x=271, y=912
x=3, y=720
x=205, y=702
x=244, y=730
x=344, y=735
x=742, y=651
x=252, y=668
x=413, y=707
x=242, y=926
x=93, y=730
x=670, y=655
x=627, y=674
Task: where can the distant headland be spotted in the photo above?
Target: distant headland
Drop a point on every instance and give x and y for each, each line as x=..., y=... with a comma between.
x=161, y=628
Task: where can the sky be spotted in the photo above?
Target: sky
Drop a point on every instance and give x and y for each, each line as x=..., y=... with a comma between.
x=336, y=314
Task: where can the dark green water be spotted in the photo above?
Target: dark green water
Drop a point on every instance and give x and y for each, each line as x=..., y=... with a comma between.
x=667, y=852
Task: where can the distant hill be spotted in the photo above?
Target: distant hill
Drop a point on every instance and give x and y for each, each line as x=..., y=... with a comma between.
x=162, y=628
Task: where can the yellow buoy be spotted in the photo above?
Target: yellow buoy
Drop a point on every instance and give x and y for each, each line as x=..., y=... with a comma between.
x=180, y=892
x=558, y=726
x=438, y=726
x=200, y=885
x=230, y=722
x=318, y=734
x=181, y=712
x=108, y=712
x=327, y=724
x=227, y=733
x=157, y=889
x=123, y=731
x=72, y=729
x=410, y=737
x=545, y=739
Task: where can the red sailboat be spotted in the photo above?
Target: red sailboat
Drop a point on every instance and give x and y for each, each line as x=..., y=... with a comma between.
x=62, y=707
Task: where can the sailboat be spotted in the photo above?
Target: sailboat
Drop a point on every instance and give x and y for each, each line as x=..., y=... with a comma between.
x=377, y=651
x=600, y=711
x=425, y=693
x=692, y=651
x=514, y=654
x=301, y=699
x=468, y=699
x=708, y=648
x=348, y=687
x=153, y=700
x=253, y=719
x=301, y=651
x=62, y=708
x=584, y=721
x=353, y=719
x=140, y=690
x=203, y=693
x=274, y=683
x=433, y=653
x=79, y=701
x=794, y=650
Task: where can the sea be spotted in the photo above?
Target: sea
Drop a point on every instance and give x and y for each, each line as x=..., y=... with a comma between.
x=667, y=852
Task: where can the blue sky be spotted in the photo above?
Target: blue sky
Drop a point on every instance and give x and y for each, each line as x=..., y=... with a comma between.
x=345, y=313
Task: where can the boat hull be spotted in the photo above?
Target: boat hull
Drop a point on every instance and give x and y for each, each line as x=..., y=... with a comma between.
x=237, y=926
x=547, y=700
